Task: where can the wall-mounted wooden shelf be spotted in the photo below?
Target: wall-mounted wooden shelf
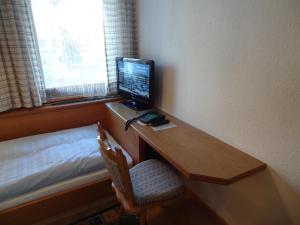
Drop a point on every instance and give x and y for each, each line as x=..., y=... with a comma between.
x=194, y=153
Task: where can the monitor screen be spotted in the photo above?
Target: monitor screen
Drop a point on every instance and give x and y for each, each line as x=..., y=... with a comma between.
x=134, y=76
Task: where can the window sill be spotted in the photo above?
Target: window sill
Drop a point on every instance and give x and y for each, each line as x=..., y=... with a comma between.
x=56, y=105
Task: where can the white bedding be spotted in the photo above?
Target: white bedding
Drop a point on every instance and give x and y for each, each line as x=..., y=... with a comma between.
x=75, y=182
x=31, y=163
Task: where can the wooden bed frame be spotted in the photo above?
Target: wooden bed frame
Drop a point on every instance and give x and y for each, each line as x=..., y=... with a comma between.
x=21, y=123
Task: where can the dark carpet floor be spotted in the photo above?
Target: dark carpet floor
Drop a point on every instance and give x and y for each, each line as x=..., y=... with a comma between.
x=107, y=217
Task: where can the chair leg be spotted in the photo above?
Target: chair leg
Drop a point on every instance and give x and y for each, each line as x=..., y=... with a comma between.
x=120, y=213
x=143, y=217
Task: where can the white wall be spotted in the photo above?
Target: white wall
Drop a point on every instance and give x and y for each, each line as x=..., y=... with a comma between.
x=232, y=68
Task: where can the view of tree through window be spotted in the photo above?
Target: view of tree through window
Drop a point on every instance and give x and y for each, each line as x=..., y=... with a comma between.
x=71, y=41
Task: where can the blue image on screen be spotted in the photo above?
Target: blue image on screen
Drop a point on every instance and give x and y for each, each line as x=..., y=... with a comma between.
x=134, y=78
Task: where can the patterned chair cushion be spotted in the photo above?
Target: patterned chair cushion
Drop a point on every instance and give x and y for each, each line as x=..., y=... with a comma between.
x=154, y=181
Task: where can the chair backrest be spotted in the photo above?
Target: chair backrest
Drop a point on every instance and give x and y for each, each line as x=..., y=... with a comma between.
x=116, y=164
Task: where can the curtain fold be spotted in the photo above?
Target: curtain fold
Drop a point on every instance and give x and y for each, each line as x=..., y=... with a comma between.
x=21, y=75
x=22, y=81
x=119, y=17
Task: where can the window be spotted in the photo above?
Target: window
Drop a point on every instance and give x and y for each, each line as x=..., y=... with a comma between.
x=71, y=43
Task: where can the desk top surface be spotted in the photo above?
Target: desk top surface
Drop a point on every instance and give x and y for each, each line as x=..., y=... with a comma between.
x=194, y=153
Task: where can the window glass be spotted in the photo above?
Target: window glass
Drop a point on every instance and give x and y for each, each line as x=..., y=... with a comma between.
x=71, y=41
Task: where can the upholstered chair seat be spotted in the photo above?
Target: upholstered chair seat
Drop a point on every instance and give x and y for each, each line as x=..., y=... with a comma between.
x=147, y=184
x=154, y=181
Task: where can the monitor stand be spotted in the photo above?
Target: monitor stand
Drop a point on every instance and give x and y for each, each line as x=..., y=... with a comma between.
x=139, y=106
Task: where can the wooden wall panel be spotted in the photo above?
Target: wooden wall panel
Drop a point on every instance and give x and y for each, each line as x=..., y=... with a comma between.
x=22, y=123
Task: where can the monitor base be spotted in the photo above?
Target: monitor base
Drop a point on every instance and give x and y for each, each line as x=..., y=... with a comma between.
x=138, y=106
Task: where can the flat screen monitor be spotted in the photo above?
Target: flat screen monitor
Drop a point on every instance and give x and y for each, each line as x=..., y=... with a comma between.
x=135, y=81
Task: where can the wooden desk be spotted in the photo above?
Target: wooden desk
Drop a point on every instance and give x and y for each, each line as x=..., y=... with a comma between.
x=194, y=153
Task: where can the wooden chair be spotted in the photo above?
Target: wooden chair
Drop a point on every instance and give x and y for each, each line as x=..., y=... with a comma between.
x=149, y=183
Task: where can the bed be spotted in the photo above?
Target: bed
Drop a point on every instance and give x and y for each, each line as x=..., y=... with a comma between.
x=37, y=166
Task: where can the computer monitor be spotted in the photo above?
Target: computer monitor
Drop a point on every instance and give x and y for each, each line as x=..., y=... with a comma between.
x=135, y=82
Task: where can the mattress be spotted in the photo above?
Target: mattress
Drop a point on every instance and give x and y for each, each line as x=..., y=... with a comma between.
x=35, y=162
x=69, y=184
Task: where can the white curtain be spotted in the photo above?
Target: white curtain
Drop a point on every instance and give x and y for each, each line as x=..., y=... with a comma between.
x=119, y=18
x=21, y=75
x=28, y=79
